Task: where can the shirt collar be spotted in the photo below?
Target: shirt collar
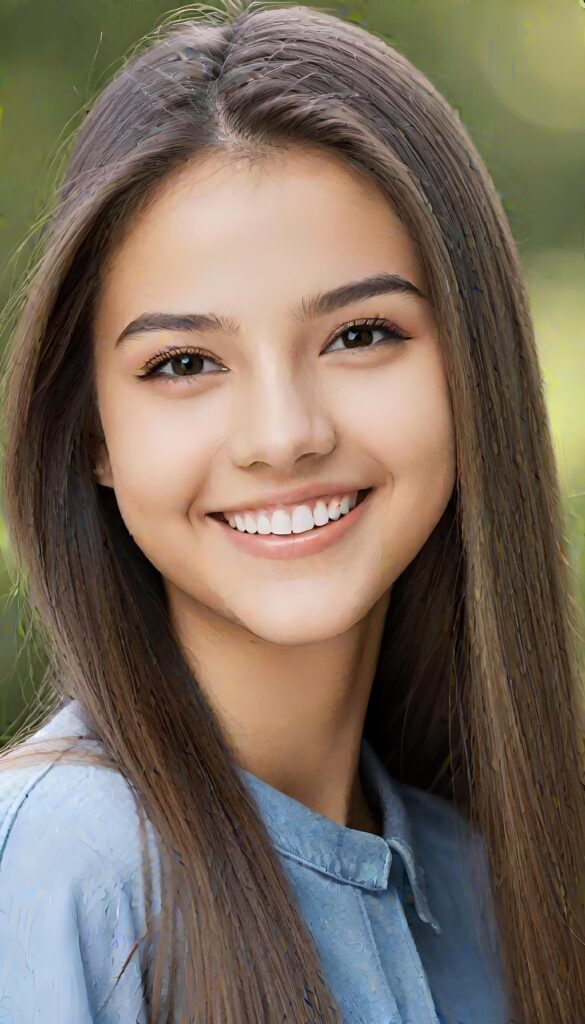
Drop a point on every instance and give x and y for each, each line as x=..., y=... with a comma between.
x=358, y=858
x=345, y=854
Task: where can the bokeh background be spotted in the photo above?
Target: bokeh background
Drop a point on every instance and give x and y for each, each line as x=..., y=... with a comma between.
x=514, y=70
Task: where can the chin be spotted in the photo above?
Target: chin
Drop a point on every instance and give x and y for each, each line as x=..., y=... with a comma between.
x=294, y=626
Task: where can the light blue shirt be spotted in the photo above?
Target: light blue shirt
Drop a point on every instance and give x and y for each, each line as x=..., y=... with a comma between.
x=396, y=919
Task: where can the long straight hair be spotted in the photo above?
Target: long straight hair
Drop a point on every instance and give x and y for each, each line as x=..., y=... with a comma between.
x=476, y=692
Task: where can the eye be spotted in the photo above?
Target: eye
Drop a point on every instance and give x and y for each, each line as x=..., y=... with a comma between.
x=359, y=331
x=189, y=362
x=183, y=360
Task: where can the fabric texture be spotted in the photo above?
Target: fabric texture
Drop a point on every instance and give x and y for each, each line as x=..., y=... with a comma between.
x=403, y=923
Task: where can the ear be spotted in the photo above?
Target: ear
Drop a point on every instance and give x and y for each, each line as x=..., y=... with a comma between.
x=96, y=446
x=102, y=469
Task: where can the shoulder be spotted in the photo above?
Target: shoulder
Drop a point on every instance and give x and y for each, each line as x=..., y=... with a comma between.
x=450, y=850
x=465, y=959
x=71, y=890
x=69, y=805
x=81, y=812
x=70, y=810
x=439, y=825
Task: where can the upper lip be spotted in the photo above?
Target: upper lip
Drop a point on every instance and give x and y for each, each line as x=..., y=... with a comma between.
x=310, y=492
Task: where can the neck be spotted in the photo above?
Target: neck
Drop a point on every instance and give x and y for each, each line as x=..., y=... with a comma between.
x=362, y=816
x=294, y=715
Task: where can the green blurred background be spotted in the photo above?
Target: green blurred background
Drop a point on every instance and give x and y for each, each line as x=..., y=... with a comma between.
x=515, y=71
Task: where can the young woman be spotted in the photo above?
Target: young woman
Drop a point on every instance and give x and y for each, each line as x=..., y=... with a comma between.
x=280, y=481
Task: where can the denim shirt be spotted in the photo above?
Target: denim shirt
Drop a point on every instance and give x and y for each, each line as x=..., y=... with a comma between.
x=402, y=923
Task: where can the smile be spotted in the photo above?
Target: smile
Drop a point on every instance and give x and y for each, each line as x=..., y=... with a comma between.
x=308, y=534
x=294, y=519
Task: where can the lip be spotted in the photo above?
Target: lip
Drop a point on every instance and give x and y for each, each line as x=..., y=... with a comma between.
x=296, y=545
x=296, y=496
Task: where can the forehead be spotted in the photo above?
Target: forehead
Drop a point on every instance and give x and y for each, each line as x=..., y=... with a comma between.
x=232, y=234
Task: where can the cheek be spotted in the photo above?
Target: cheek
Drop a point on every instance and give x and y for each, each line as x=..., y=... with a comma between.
x=161, y=452
x=403, y=418
x=411, y=436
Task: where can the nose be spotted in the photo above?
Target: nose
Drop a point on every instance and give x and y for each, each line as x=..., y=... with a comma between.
x=279, y=420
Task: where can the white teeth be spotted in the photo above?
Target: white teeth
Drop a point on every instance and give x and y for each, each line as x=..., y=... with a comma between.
x=250, y=523
x=302, y=518
x=263, y=520
x=320, y=513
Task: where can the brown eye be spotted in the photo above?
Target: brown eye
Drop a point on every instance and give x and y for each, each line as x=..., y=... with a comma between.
x=359, y=334
x=189, y=362
x=183, y=362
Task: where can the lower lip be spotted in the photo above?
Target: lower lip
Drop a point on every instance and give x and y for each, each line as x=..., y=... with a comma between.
x=295, y=545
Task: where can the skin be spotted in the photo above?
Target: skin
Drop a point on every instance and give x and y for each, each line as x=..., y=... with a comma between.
x=284, y=650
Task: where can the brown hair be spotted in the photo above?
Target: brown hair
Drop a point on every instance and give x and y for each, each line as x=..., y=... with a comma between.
x=480, y=643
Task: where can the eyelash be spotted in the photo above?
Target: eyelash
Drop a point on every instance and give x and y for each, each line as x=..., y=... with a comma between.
x=153, y=366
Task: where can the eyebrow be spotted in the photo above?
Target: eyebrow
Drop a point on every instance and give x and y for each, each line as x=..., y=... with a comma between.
x=309, y=308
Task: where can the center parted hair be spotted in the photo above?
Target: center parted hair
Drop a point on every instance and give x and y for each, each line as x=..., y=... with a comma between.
x=476, y=689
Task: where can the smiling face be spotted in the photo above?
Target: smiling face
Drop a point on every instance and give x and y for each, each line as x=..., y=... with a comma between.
x=285, y=394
